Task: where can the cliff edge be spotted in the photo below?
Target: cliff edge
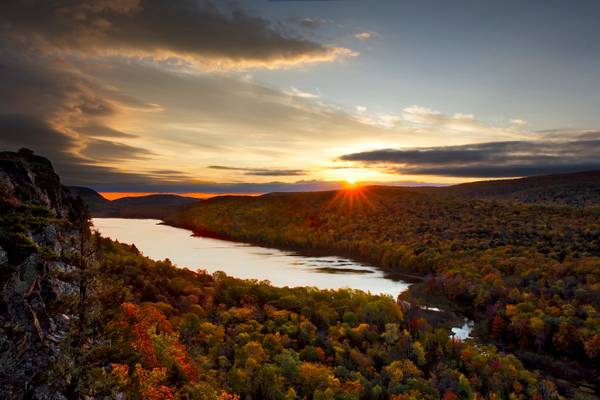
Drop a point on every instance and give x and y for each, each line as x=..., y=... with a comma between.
x=37, y=285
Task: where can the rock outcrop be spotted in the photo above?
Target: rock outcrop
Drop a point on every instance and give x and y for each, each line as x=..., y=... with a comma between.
x=36, y=291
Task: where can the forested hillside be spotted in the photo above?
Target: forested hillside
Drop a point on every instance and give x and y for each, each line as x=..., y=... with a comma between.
x=529, y=274
x=179, y=334
x=580, y=189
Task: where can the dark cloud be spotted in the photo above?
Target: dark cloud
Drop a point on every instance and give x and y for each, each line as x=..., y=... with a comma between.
x=63, y=109
x=107, y=151
x=493, y=159
x=74, y=169
x=99, y=131
x=185, y=28
x=50, y=106
x=166, y=172
x=26, y=131
x=47, y=88
x=276, y=172
x=262, y=171
x=218, y=187
x=590, y=135
x=503, y=171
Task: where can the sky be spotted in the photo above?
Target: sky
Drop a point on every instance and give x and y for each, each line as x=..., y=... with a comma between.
x=259, y=96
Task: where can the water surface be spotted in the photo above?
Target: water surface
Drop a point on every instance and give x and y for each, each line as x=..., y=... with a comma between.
x=464, y=331
x=281, y=268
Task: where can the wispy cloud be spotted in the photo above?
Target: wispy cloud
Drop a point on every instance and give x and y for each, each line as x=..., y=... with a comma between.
x=293, y=91
x=380, y=120
x=459, y=122
x=313, y=23
x=261, y=171
x=518, y=122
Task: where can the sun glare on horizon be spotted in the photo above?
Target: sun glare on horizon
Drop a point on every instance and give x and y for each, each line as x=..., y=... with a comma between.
x=352, y=177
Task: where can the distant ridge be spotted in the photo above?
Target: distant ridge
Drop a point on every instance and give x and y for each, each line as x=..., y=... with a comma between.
x=97, y=204
x=579, y=189
x=576, y=189
x=150, y=206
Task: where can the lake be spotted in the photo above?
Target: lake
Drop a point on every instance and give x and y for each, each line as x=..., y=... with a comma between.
x=281, y=268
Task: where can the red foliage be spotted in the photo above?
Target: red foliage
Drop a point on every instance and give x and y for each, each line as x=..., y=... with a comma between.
x=498, y=325
x=140, y=320
x=183, y=359
x=418, y=324
x=450, y=395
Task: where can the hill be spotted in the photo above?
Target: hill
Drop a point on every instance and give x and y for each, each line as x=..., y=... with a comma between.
x=98, y=205
x=578, y=189
x=150, y=206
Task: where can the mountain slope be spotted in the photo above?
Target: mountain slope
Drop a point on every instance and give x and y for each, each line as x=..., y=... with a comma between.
x=97, y=204
x=578, y=189
x=151, y=206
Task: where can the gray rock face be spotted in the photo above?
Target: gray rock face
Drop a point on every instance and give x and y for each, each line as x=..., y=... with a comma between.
x=28, y=178
x=34, y=318
x=48, y=237
x=30, y=335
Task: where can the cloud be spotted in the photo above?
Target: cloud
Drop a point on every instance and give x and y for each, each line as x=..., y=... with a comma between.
x=74, y=169
x=459, y=122
x=488, y=160
x=223, y=110
x=219, y=187
x=313, y=23
x=292, y=91
x=79, y=113
x=105, y=151
x=379, y=120
x=196, y=31
x=518, y=122
x=49, y=105
x=98, y=131
x=366, y=35
x=591, y=135
x=422, y=115
x=261, y=171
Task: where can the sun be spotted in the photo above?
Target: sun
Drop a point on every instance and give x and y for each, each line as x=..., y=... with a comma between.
x=351, y=177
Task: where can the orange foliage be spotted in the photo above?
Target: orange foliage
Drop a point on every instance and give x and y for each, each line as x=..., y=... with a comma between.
x=142, y=320
x=228, y=396
x=151, y=383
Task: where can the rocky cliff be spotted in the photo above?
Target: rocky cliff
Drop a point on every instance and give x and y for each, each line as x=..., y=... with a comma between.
x=37, y=285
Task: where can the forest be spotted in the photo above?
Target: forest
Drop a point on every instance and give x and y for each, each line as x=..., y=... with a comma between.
x=529, y=274
x=174, y=333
